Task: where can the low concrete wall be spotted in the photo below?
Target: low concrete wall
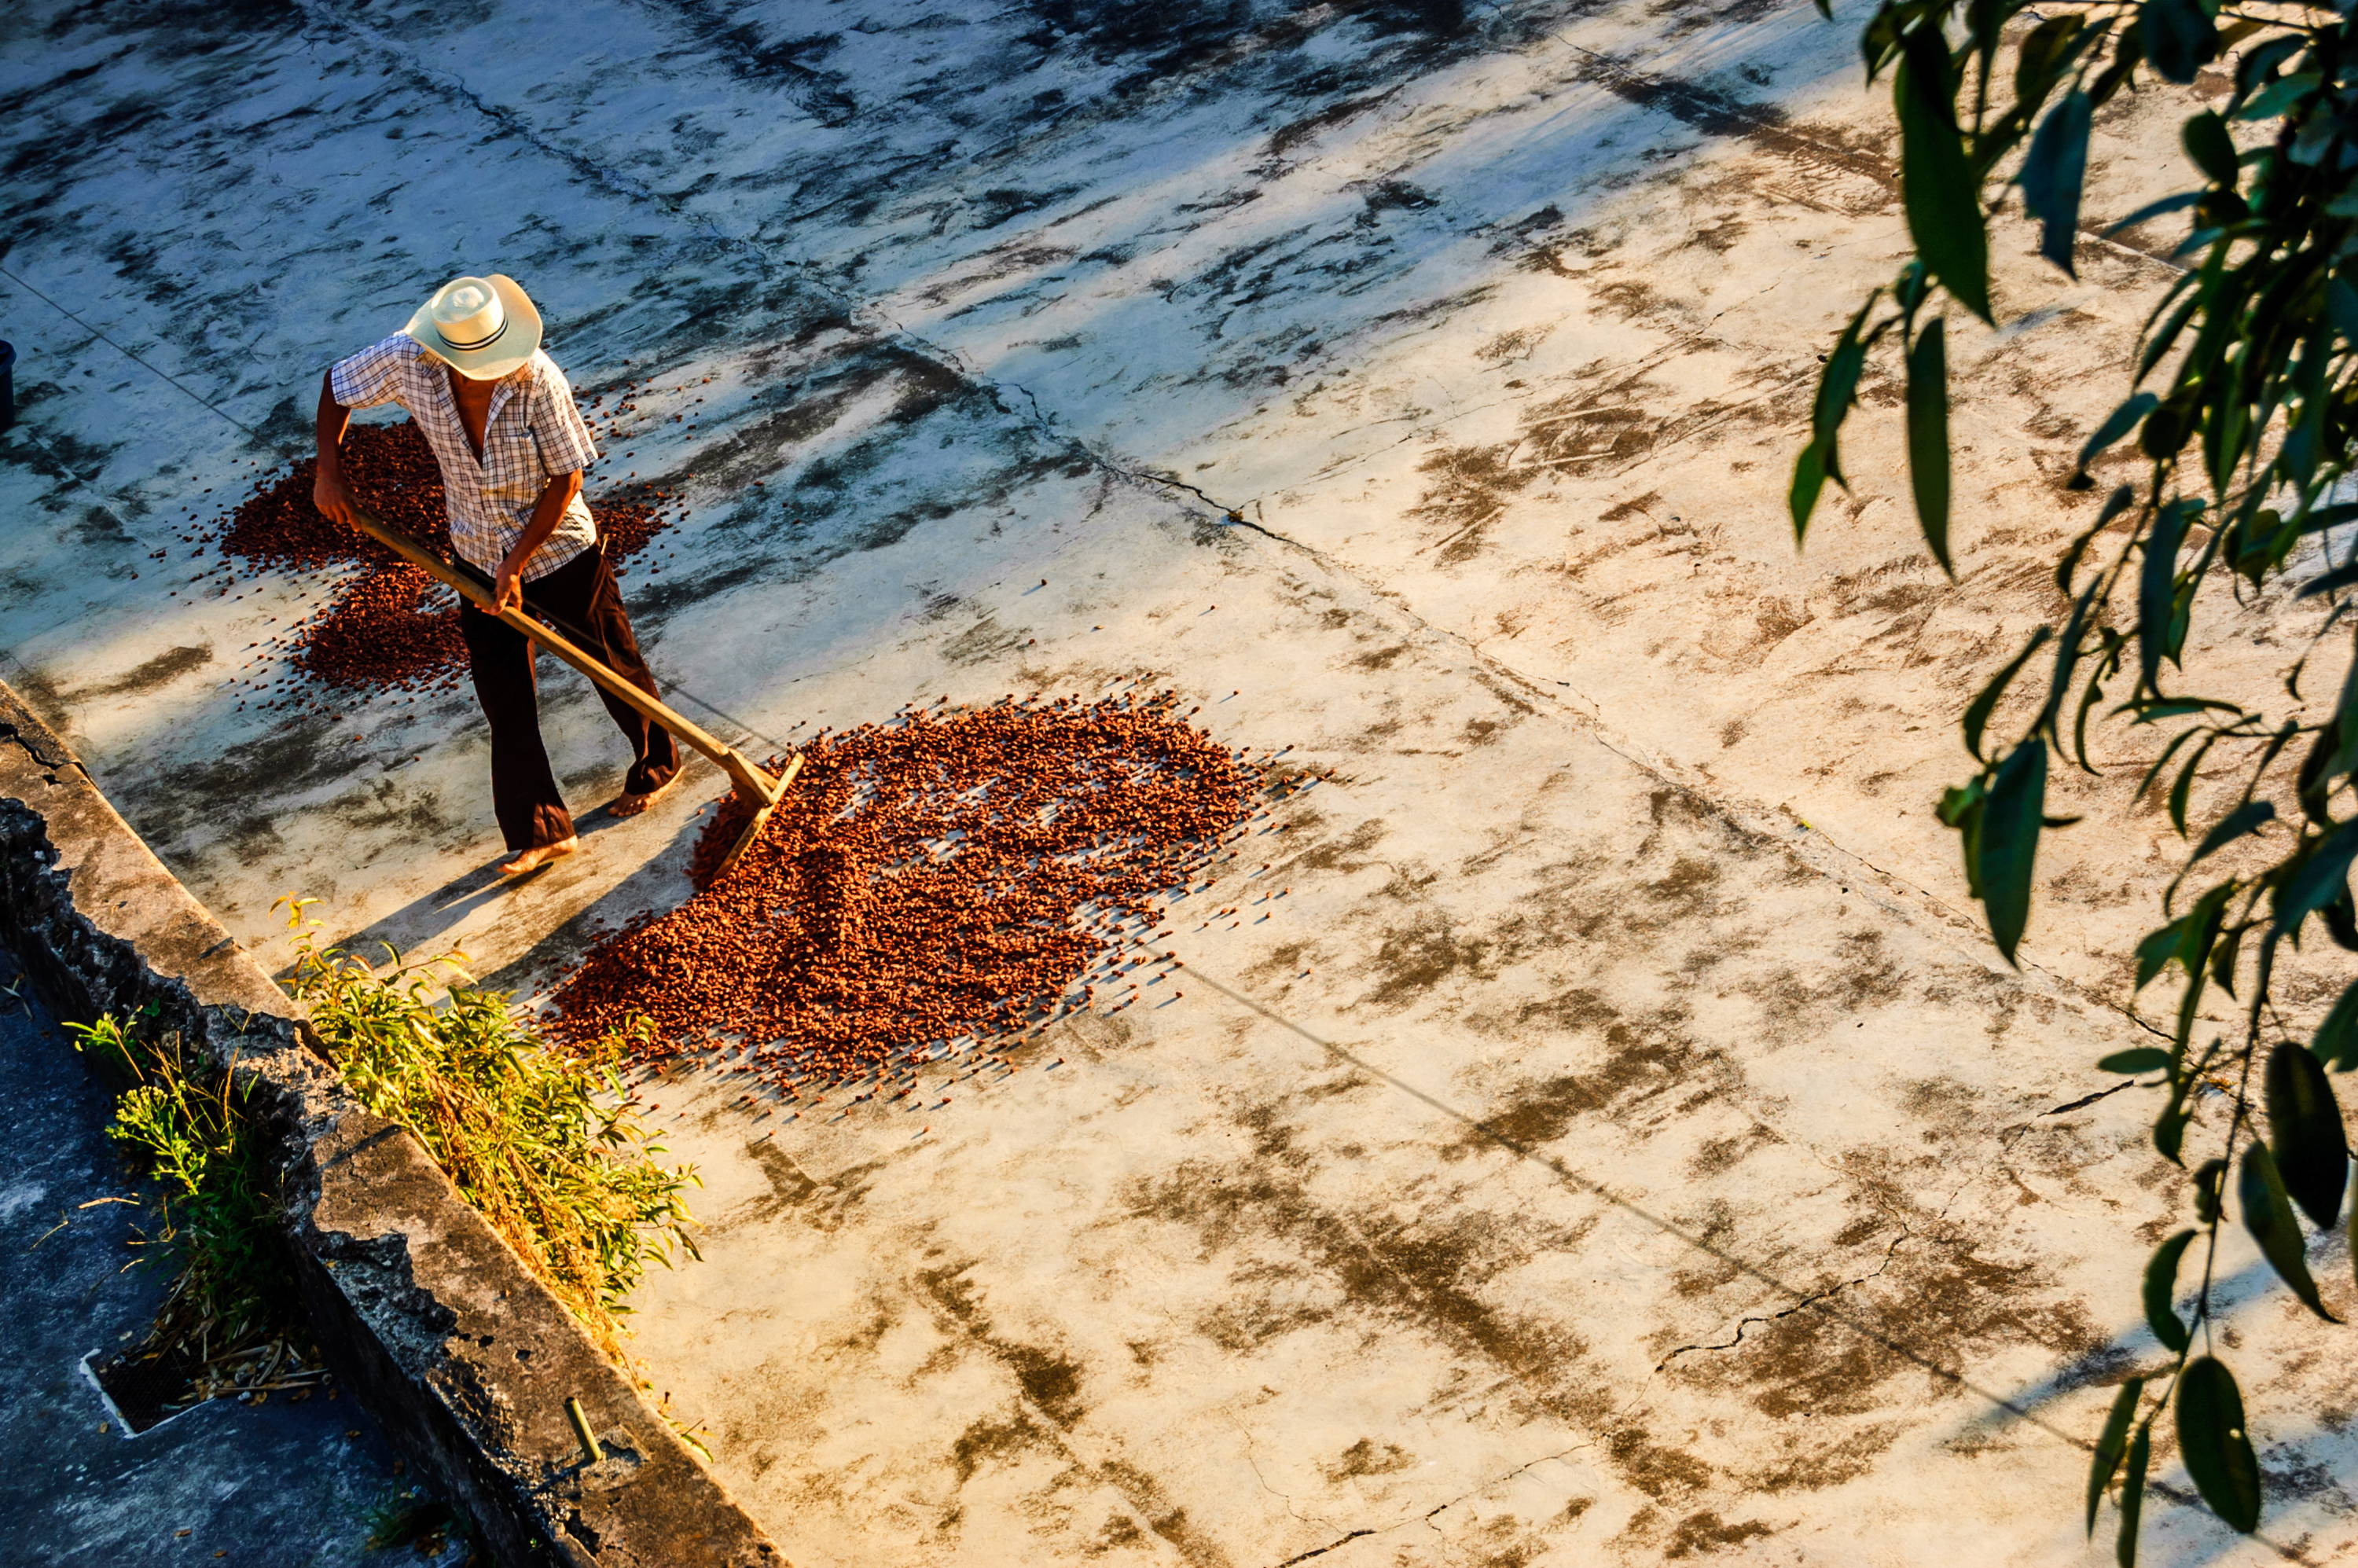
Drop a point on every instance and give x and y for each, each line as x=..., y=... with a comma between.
x=424, y=1313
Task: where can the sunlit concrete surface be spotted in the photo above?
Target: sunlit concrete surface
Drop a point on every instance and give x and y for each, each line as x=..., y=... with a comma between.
x=1620, y=1145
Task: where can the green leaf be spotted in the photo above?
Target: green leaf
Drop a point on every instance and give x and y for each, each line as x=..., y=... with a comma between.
x=2212, y=150
x=2157, y=590
x=2211, y=1440
x=1837, y=390
x=2112, y=1444
x=2305, y=1133
x=2341, y=917
x=2317, y=879
x=2248, y=817
x=2208, y=1179
x=1808, y=479
x=2137, y=1059
x=2186, y=939
x=1961, y=809
x=2133, y=1495
x=2161, y=1292
x=2351, y=1237
x=2222, y=958
x=2158, y=343
x=2043, y=55
x=2341, y=309
x=2342, y=757
x=1928, y=436
x=1937, y=184
x=1838, y=385
x=2311, y=783
x=2334, y=581
x=2268, y=1215
x=2118, y=423
x=1977, y=712
x=2128, y=53
x=2009, y=841
x=2152, y=210
x=2336, y=1044
x=2180, y=791
x=2181, y=38
x=2256, y=65
x=2281, y=95
x=2052, y=173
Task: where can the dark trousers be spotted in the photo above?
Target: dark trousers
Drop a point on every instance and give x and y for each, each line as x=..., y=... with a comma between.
x=579, y=600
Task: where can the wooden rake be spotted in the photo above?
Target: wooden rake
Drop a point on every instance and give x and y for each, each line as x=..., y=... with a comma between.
x=761, y=788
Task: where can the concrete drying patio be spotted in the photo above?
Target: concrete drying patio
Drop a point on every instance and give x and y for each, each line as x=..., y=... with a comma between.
x=1621, y=1144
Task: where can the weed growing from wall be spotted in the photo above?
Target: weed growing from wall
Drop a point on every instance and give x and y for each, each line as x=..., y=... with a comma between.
x=229, y=1322
x=543, y=1142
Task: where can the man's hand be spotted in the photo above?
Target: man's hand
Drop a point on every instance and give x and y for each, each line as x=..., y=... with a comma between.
x=332, y=496
x=507, y=587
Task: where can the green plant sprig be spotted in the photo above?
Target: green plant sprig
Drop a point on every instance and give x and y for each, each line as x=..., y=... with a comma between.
x=229, y=1318
x=2244, y=409
x=544, y=1143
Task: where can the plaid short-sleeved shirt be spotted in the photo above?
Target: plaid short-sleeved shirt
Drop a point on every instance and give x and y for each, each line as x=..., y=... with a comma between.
x=535, y=433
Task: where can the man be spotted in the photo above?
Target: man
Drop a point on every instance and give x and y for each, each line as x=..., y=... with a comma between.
x=502, y=421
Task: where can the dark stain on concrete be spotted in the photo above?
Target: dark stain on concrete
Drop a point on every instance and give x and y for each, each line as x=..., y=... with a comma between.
x=1050, y=1383
x=981, y=642
x=985, y=1440
x=1349, y=853
x=1718, y=114
x=1164, y=1517
x=148, y=676
x=1429, y=1276
x=1937, y=1304
x=789, y=1187
x=1412, y=961
x=1660, y=1472
x=788, y=64
x=1706, y=1534
x=1367, y=1457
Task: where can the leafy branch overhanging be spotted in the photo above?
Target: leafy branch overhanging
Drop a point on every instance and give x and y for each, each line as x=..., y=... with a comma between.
x=2243, y=411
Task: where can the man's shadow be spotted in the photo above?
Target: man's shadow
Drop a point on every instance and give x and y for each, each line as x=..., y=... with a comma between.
x=418, y=925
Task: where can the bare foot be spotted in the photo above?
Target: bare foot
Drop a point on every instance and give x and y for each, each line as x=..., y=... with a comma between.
x=540, y=855
x=631, y=804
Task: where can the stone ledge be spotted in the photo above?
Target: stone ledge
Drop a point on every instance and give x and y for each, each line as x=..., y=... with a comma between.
x=424, y=1313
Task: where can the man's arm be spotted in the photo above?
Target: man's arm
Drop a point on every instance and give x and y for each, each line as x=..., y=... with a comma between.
x=330, y=494
x=557, y=495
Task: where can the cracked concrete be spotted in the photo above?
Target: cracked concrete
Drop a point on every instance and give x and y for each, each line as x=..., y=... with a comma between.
x=1626, y=1003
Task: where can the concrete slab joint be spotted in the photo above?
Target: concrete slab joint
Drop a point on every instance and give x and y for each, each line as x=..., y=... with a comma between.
x=422, y=1310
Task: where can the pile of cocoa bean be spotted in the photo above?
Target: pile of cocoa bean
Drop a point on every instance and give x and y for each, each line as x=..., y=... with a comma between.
x=390, y=626
x=947, y=878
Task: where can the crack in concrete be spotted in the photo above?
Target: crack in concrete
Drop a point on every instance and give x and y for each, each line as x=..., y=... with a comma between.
x=1322, y=1551
x=1744, y=1324
x=1427, y=1517
x=17, y=736
x=2092, y=1098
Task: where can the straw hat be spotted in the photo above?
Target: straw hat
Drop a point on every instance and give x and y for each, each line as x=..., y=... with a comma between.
x=483, y=326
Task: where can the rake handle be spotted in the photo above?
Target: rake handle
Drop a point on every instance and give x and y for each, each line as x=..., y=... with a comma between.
x=750, y=778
